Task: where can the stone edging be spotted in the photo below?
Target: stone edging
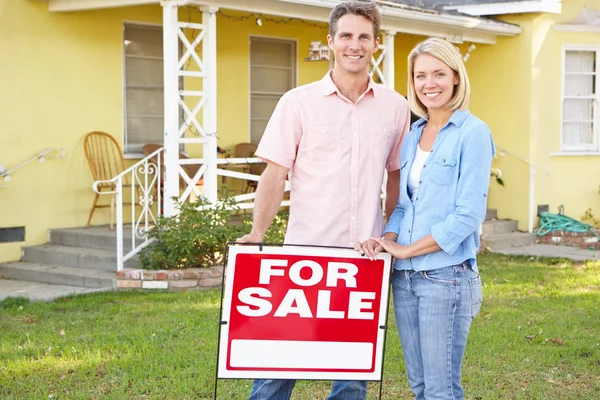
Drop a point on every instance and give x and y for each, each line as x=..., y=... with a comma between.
x=585, y=240
x=177, y=280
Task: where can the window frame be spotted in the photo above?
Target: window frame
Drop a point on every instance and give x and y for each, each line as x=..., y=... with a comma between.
x=295, y=69
x=594, y=148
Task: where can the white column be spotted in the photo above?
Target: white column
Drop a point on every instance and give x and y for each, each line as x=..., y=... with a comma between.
x=388, y=60
x=171, y=106
x=209, y=57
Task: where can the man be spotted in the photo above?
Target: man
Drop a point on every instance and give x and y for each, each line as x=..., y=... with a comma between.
x=334, y=138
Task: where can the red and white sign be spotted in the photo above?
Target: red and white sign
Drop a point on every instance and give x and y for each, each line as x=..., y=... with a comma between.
x=303, y=313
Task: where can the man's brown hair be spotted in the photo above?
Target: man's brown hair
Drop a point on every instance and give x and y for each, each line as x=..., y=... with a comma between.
x=364, y=9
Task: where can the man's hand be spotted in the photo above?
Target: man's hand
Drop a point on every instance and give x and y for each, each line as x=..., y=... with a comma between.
x=251, y=238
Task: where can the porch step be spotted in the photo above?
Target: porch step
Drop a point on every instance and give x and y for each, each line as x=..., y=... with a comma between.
x=491, y=213
x=494, y=226
x=507, y=240
x=58, y=275
x=95, y=237
x=81, y=257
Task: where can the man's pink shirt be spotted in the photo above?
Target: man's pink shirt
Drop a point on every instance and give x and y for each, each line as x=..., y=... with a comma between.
x=336, y=151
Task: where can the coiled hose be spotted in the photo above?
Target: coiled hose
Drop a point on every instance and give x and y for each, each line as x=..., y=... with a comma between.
x=559, y=222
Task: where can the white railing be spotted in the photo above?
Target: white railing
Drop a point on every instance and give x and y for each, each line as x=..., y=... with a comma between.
x=531, y=165
x=145, y=186
x=47, y=154
x=142, y=180
x=245, y=201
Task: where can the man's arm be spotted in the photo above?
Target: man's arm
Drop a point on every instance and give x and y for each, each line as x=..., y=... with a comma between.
x=392, y=192
x=269, y=194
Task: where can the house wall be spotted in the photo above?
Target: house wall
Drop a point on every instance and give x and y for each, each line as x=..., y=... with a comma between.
x=61, y=78
x=500, y=76
x=572, y=181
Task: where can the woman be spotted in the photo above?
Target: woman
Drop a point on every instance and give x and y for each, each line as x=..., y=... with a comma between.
x=434, y=230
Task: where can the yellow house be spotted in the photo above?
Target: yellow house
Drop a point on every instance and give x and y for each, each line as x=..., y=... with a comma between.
x=194, y=75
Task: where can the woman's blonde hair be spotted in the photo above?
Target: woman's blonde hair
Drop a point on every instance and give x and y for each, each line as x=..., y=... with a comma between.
x=448, y=54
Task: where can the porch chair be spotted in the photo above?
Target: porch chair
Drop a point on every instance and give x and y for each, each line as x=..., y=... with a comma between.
x=247, y=150
x=106, y=161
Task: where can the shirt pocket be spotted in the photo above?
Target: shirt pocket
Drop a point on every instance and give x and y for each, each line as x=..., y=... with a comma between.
x=379, y=140
x=443, y=171
x=323, y=143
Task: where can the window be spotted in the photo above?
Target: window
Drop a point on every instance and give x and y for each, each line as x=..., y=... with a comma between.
x=272, y=73
x=144, y=96
x=580, y=102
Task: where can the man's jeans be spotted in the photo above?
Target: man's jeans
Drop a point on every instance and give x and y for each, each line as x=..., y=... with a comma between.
x=281, y=389
x=434, y=310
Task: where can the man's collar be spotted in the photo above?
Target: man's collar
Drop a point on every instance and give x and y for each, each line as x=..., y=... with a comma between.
x=329, y=86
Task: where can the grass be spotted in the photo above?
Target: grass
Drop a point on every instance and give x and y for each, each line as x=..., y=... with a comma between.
x=537, y=337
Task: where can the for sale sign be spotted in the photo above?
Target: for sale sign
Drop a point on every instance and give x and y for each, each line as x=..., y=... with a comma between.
x=303, y=313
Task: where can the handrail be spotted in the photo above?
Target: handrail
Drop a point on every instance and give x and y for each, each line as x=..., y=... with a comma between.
x=40, y=157
x=145, y=177
x=531, y=213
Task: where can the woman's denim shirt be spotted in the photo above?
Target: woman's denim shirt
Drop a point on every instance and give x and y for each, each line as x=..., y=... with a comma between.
x=451, y=202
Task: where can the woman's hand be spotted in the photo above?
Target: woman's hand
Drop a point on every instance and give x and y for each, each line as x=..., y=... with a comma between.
x=369, y=248
x=395, y=249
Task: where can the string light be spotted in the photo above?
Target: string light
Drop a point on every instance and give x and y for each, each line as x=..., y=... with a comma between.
x=468, y=53
x=260, y=19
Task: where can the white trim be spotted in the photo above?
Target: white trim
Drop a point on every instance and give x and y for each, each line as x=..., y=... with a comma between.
x=577, y=28
x=596, y=106
x=80, y=5
x=575, y=154
x=516, y=7
x=393, y=18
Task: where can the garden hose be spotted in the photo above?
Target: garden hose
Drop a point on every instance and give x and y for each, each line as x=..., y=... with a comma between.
x=559, y=222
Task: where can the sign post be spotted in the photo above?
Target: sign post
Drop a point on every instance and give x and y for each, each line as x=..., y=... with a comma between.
x=301, y=312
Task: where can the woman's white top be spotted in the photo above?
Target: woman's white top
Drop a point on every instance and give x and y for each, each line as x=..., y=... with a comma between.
x=414, y=175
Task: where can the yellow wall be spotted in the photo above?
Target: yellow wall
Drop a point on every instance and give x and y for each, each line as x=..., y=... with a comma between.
x=500, y=77
x=574, y=180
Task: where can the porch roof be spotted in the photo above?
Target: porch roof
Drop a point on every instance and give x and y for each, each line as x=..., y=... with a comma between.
x=419, y=19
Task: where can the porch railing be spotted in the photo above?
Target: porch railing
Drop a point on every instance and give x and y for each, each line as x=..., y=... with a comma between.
x=143, y=181
x=141, y=185
x=48, y=154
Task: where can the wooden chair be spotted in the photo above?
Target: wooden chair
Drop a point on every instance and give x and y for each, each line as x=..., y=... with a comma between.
x=247, y=150
x=106, y=161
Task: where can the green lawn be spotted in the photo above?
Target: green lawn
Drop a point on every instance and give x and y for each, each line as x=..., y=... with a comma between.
x=537, y=337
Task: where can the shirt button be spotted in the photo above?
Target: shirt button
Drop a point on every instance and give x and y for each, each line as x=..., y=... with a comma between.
x=416, y=198
x=409, y=231
x=324, y=130
x=353, y=161
x=384, y=130
x=354, y=190
x=353, y=218
x=420, y=182
x=424, y=165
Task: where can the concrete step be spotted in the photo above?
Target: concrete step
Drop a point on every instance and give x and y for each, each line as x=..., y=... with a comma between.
x=507, y=240
x=491, y=214
x=80, y=257
x=95, y=237
x=497, y=226
x=58, y=275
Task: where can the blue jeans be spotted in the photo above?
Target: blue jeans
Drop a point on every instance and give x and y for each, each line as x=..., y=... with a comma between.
x=281, y=389
x=434, y=310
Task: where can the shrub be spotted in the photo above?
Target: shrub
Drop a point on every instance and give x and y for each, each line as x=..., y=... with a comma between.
x=196, y=236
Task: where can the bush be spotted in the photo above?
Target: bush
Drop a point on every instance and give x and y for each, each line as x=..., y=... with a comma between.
x=196, y=238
